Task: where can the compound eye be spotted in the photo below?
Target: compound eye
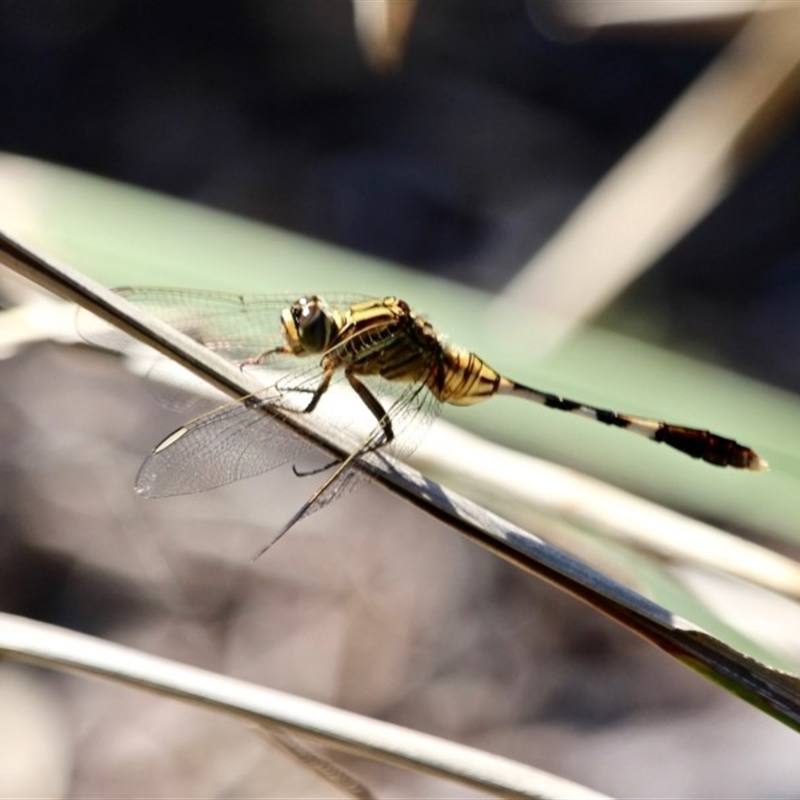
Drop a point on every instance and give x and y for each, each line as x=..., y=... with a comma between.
x=314, y=324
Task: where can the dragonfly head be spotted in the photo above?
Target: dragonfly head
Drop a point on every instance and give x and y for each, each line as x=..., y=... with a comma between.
x=309, y=325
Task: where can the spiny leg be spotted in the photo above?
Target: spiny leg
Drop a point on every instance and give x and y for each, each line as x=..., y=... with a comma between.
x=316, y=393
x=697, y=443
x=257, y=361
x=330, y=483
x=376, y=409
x=322, y=387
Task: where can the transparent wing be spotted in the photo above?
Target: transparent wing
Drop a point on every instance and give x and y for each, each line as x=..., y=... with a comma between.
x=234, y=442
x=241, y=440
x=237, y=326
x=237, y=440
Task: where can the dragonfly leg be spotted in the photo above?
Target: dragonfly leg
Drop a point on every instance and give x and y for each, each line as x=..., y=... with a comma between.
x=255, y=361
x=372, y=403
x=319, y=391
x=304, y=473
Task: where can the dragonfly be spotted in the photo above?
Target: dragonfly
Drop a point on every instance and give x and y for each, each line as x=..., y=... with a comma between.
x=392, y=362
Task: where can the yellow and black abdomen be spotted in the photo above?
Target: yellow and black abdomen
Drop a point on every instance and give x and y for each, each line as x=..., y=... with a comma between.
x=463, y=378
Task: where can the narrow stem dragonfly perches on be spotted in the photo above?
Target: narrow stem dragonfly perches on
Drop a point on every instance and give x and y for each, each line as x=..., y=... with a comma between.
x=399, y=368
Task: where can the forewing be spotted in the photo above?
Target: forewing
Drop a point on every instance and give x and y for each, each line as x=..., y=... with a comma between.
x=239, y=327
x=233, y=325
x=231, y=443
x=243, y=439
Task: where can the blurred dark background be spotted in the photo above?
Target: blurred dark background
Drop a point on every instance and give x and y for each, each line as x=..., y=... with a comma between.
x=462, y=162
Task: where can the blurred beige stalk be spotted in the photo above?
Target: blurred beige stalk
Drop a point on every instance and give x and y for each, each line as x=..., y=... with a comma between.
x=672, y=178
x=673, y=13
x=382, y=28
